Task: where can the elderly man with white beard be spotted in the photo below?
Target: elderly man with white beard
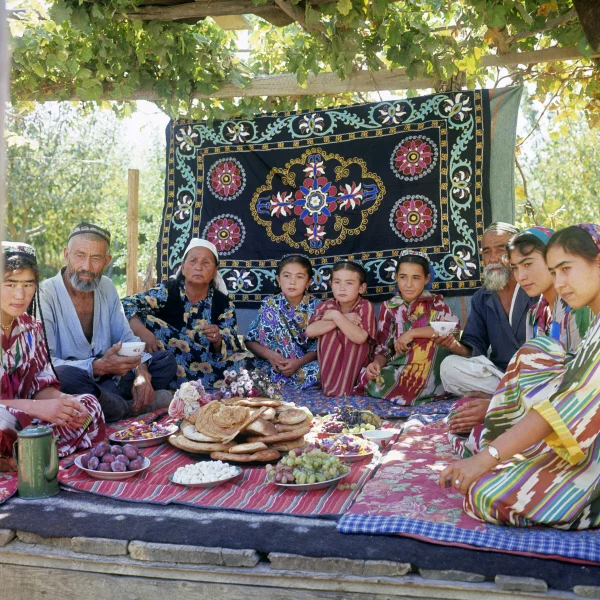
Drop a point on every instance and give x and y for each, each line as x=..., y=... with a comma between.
x=495, y=330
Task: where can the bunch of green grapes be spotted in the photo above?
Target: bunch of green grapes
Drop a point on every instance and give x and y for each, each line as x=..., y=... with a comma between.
x=302, y=467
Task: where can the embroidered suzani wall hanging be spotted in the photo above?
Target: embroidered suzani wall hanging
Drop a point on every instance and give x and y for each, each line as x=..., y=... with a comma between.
x=364, y=181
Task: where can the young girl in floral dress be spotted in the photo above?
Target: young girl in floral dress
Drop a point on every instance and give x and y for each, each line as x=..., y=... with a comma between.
x=30, y=389
x=405, y=369
x=345, y=327
x=277, y=336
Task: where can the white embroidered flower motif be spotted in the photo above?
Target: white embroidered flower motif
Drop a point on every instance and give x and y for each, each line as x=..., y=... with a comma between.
x=315, y=232
x=237, y=132
x=391, y=114
x=461, y=184
x=281, y=204
x=320, y=279
x=314, y=168
x=187, y=138
x=463, y=265
x=184, y=206
x=457, y=108
x=312, y=123
x=239, y=279
x=350, y=195
x=391, y=271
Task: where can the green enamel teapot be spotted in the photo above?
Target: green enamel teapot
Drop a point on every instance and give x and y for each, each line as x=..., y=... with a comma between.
x=36, y=454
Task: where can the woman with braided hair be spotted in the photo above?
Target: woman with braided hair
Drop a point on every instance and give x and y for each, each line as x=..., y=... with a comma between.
x=30, y=388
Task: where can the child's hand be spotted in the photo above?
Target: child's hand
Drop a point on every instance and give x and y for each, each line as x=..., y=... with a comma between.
x=372, y=371
x=404, y=342
x=288, y=366
x=331, y=315
x=354, y=318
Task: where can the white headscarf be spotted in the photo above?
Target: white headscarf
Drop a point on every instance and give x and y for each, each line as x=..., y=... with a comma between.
x=217, y=282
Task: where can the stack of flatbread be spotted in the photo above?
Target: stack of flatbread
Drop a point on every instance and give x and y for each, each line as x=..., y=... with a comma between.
x=244, y=429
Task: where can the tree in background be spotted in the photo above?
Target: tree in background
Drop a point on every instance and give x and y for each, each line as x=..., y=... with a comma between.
x=66, y=164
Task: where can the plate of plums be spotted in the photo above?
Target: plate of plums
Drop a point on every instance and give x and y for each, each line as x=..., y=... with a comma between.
x=113, y=461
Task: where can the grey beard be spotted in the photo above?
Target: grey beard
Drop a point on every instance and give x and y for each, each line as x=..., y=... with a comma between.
x=495, y=281
x=84, y=286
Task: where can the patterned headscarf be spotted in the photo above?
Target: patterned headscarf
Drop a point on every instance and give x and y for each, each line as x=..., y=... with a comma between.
x=218, y=281
x=10, y=249
x=593, y=230
x=541, y=233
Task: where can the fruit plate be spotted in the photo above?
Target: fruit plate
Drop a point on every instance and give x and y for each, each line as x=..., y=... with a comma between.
x=112, y=476
x=309, y=487
x=207, y=484
x=352, y=458
x=145, y=442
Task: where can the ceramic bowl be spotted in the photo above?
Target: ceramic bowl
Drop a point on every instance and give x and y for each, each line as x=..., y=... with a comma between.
x=131, y=349
x=381, y=437
x=443, y=327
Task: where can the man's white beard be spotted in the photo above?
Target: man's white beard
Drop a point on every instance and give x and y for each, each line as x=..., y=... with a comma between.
x=495, y=280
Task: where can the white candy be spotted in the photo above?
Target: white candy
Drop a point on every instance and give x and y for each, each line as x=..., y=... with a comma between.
x=204, y=472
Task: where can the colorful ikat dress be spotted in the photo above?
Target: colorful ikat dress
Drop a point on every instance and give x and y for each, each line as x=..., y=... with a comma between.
x=341, y=360
x=412, y=377
x=25, y=370
x=281, y=327
x=167, y=312
x=557, y=481
x=559, y=323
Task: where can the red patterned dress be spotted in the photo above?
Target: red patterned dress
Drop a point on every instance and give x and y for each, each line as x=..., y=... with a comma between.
x=24, y=371
x=340, y=360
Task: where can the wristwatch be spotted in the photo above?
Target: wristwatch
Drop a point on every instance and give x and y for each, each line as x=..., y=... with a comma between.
x=494, y=453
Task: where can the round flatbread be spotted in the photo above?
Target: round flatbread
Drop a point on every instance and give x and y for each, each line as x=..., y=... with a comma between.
x=284, y=436
x=180, y=441
x=292, y=416
x=287, y=446
x=281, y=428
x=189, y=431
x=216, y=420
x=253, y=402
x=261, y=427
x=268, y=414
x=261, y=456
x=248, y=448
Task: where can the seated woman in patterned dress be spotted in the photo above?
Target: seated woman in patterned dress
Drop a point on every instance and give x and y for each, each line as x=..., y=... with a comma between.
x=406, y=366
x=540, y=462
x=192, y=316
x=30, y=388
x=551, y=316
x=278, y=333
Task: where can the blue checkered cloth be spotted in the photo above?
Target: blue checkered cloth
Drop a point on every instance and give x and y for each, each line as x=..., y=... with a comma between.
x=319, y=404
x=578, y=545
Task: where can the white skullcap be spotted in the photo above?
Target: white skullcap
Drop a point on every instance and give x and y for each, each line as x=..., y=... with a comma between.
x=218, y=282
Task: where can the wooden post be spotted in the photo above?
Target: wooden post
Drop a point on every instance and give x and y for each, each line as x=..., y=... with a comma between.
x=4, y=79
x=133, y=188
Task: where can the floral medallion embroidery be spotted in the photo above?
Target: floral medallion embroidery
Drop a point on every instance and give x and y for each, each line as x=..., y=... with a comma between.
x=186, y=138
x=226, y=179
x=457, y=108
x=226, y=232
x=413, y=218
x=315, y=201
x=461, y=184
x=184, y=206
x=462, y=265
x=392, y=113
x=414, y=157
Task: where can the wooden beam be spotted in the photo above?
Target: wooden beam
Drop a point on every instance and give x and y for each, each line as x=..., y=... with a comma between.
x=131, y=269
x=328, y=84
x=206, y=8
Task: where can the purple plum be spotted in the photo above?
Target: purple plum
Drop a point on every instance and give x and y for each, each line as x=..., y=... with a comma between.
x=130, y=451
x=104, y=467
x=108, y=458
x=93, y=463
x=116, y=450
x=85, y=459
x=102, y=449
x=122, y=459
x=118, y=466
x=136, y=465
